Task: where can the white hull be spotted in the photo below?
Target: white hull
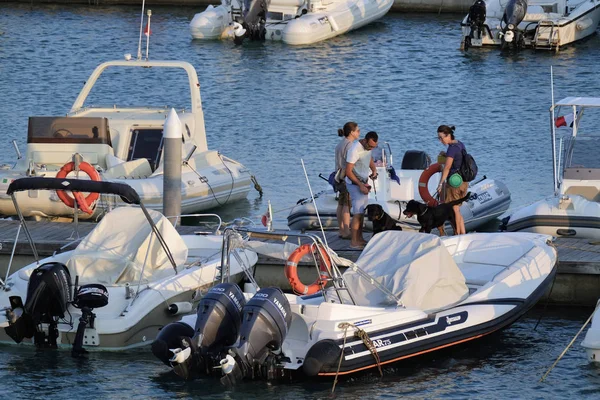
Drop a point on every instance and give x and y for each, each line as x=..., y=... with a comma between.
x=574, y=216
x=546, y=26
x=229, y=182
x=591, y=342
x=505, y=275
x=320, y=23
x=489, y=200
x=136, y=309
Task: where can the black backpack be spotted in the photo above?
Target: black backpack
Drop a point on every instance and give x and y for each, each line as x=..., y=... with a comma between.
x=468, y=167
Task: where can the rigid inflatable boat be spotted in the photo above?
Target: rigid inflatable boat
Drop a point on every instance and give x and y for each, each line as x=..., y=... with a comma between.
x=123, y=144
x=294, y=22
x=120, y=284
x=538, y=24
x=408, y=293
x=416, y=179
x=574, y=209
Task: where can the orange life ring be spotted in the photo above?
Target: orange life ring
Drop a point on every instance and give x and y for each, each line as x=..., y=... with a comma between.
x=424, y=182
x=85, y=203
x=291, y=269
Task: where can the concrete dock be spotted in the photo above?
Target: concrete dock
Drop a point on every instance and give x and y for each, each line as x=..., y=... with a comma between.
x=577, y=281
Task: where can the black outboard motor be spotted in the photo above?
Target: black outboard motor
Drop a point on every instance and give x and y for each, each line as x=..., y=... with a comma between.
x=48, y=295
x=265, y=323
x=513, y=15
x=87, y=298
x=415, y=159
x=476, y=21
x=195, y=351
x=252, y=25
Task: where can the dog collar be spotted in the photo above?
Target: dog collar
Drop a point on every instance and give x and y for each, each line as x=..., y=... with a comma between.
x=424, y=212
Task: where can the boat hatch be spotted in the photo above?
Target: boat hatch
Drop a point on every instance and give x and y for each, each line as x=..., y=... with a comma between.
x=61, y=130
x=146, y=143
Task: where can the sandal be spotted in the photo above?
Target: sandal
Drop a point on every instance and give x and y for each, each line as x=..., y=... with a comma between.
x=359, y=247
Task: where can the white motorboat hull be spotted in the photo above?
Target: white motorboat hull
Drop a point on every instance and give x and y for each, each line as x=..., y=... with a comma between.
x=505, y=277
x=591, y=342
x=566, y=216
x=544, y=30
x=226, y=181
x=317, y=25
x=132, y=319
x=489, y=199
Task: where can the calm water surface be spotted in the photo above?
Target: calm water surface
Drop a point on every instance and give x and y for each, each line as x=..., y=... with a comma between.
x=268, y=105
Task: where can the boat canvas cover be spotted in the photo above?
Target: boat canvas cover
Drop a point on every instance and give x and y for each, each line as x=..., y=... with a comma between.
x=417, y=268
x=115, y=251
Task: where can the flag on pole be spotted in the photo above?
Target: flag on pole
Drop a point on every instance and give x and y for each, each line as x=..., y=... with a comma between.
x=565, y=120
x=147, y=30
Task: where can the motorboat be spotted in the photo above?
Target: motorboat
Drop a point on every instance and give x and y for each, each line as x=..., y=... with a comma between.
x=591, y=342
x=416, y=179
x=119, y=285
x=573, y=210
x=538, y=24
x=123, y=144
x=295, y=22
x=408, y=294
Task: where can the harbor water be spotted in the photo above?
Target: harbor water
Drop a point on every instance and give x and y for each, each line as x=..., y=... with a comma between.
x=270, y=105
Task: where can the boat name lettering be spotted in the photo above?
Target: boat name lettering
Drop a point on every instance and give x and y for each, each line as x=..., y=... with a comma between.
x=381, y=343
x=484, y=197
x=235, y=300
x=280, y=306
x=450, y=320
x=363, y=322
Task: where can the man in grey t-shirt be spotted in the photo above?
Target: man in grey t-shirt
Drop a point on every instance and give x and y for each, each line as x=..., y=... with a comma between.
x=360, y=163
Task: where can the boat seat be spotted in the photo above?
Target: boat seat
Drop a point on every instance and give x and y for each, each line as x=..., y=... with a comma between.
x=135, y=169
x=591, y=193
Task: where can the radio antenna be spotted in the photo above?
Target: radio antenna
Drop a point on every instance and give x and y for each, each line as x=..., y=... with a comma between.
x=139, y=53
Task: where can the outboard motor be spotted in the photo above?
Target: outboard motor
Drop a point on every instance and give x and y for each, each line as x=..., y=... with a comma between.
x=87, y=298
x=265, y=323
x=252, y=25
x=476, y=21
x=513, y=15
x=415, y=159
x=189, y=351
x=48, y=295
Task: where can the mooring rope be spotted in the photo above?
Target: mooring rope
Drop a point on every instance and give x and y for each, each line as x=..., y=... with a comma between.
x=364, y=336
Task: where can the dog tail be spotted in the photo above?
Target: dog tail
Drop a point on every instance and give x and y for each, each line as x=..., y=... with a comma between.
x=459, y=201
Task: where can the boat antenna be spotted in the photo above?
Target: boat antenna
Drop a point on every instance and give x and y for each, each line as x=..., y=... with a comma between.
x=314, y=203
x=553, y=134
x=139, y=53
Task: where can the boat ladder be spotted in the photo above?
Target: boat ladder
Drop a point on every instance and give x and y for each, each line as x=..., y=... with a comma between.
x=547, y=36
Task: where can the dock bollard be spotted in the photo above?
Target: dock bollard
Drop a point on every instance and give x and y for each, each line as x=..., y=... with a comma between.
x=172, y=166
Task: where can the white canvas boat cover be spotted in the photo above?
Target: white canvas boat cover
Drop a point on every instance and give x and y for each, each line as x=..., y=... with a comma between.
x=416, y=267
x=115, y=251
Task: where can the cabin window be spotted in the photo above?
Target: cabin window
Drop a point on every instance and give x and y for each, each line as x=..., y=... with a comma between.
x=146, y=143
x=68, y=130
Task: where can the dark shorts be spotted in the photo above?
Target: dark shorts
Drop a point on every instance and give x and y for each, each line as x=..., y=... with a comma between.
x=453, y=193
x=343, y=195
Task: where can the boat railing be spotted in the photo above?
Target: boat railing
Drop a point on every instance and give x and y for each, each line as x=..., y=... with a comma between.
x=335, y=275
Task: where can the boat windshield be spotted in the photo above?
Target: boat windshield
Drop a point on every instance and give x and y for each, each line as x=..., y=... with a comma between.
x=584, y=152
x=68, y=130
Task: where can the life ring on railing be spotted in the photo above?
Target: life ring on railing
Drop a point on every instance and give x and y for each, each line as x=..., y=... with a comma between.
x=84, y=203
x=291, y=269
x=424, y=182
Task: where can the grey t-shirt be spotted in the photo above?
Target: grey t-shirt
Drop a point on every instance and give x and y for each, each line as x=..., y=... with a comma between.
x=341, y=150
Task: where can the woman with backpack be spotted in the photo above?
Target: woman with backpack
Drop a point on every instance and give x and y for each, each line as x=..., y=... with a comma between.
x=452, y=186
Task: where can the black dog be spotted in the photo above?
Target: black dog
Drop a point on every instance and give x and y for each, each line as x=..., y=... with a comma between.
x=381, y=220
x=433, y=217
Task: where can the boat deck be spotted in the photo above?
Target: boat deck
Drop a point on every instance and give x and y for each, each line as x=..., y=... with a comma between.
x=578, y=280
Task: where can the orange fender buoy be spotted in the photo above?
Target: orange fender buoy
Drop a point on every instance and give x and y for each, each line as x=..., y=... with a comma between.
x=291, y=269
x=84, y=203
x=423, y=184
